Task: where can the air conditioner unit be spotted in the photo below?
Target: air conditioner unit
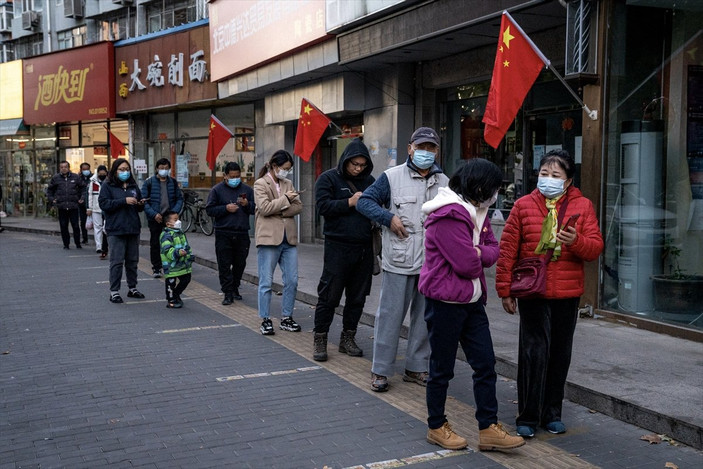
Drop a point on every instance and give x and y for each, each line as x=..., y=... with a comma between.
x=73, y=8
x=29, y=19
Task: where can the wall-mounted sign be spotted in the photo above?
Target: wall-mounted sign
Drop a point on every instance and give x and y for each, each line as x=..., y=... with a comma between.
x=164, y=71
x=245, y=33
x=11, y=86
x=72, y=85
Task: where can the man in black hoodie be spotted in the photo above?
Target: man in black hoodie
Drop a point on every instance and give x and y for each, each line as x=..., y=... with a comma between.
x=348, y=257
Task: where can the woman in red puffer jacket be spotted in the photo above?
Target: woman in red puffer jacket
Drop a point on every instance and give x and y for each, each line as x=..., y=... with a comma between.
x=547, y=323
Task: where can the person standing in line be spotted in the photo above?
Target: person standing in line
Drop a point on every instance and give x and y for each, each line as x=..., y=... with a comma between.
x=162, y=193
x=176, y=259
x=121, y=201
x=86, y=175
x=395, y=201
x=230, y=203
x=459, y=245
x=548, y=322
x=95, y=213
x=348, y=255
x=277, y=202
x=66, y=191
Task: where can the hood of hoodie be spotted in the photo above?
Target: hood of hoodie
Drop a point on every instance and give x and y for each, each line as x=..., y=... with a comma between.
x=446, y=197
x=355, y=148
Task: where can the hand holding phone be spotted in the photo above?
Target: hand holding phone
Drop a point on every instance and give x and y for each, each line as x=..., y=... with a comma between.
x=571, y=222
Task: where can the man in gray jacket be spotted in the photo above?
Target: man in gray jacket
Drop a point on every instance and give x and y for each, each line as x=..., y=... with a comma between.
x=395, y=202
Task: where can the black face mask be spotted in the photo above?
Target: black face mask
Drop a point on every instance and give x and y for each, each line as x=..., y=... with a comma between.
x=102, y=178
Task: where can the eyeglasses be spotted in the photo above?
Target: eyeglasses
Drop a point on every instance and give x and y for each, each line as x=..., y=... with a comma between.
x=358, y=165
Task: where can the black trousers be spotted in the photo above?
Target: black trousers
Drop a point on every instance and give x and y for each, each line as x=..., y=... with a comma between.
x=546, y=338
x=67, y=215
x=231, y=249
x=347, y=268
x=83, y=217
x=175, y=286
x=448, y=325
x=155, y=229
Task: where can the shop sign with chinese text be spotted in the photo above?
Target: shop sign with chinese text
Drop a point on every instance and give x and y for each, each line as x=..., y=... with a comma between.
x=72, y=85
x=164, y=71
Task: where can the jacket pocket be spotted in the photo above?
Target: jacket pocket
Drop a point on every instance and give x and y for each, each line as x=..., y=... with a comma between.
x=401, y=251
x=405, y=209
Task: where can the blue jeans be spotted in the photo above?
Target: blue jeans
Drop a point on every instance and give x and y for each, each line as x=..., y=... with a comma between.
x=286, y=256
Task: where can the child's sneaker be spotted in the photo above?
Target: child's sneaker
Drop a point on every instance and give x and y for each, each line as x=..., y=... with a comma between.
x=267, y=327
x=288, y=324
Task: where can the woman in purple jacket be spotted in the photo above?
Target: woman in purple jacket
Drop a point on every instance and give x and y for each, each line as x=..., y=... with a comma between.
x=459, y=244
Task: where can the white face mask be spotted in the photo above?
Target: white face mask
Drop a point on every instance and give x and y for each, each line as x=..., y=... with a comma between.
x=489, y=202
x=177, y=224
x=283, y=173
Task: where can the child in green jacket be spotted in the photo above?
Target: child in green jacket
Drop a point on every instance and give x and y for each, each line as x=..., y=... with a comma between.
x=176, y=259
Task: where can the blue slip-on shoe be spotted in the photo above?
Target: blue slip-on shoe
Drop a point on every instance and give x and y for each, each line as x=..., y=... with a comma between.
x=556, y=427
x=525, y=431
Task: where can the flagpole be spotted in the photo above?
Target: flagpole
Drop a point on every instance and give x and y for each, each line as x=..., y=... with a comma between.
x=593, y=114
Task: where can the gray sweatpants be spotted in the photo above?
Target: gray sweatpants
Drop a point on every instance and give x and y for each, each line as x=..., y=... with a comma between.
x=398, y=292
x=124, y=251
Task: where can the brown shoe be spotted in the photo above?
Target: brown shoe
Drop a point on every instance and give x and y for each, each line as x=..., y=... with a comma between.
x=445, y=437
x=379, y=383
x=496, y=438
x=417, y=377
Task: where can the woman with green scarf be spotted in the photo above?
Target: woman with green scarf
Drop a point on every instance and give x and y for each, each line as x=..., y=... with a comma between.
x=547, y=322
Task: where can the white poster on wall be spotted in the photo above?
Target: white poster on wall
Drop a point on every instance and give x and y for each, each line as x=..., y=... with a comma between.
x=140, y=166
x=182, y=170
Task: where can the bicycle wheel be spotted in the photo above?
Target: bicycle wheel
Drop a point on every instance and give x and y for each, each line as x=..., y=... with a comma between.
x=186, y=218
x=205, y=222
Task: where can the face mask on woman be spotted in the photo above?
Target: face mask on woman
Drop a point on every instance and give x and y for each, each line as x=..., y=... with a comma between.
x=550, y=187
x=489, y=202
x=283, y=173
x=123, y=175
x=102, y=176
x=423, y=159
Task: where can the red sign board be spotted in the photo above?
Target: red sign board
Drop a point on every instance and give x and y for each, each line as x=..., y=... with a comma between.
x=165, y=71
x=72, y=85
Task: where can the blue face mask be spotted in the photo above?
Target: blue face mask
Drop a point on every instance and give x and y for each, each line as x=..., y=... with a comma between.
x=550, y=187
x=164, y=172
x=234, y=182
x=423, y=159
x=86, y=173
x=123, y=175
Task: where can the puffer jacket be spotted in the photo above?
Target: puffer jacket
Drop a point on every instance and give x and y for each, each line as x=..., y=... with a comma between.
x=175, y=265
x=522, y=233
x=66, y=190
x=120, y=217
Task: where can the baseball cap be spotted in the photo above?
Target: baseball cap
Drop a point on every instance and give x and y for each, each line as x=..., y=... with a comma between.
x=425, y=134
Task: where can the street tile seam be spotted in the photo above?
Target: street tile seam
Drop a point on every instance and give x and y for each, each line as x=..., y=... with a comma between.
x=407, y=397
x=410, y=460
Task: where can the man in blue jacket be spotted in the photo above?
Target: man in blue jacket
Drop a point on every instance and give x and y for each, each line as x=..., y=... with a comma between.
x=230, y=203
x=162, y=193
x=348, y=256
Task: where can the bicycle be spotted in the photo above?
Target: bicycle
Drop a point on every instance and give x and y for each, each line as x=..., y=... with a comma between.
x=193, y=213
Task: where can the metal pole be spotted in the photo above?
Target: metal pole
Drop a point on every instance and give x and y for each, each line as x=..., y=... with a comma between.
x=593, y=114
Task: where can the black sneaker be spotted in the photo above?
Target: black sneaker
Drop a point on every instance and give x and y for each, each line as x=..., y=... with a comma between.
x=116, y=298
x=267, y=327
x=134, y=293
x=288, y=324
x=156, y=273
x=236, y=295
x=227, y=300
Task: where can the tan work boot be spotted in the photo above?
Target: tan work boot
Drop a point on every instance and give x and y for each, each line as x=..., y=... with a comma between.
x=445, y=437
x=496, y=438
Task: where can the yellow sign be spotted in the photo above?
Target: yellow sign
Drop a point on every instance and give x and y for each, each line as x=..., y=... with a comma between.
x=64, y=85
x=11, y=86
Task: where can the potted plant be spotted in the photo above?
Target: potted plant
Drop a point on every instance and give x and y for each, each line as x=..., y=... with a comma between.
x=677, y=292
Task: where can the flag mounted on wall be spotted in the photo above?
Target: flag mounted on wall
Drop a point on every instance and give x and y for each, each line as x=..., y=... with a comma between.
x=217, y=138
x=311, y=125
x=518, y=63
x=117, y=148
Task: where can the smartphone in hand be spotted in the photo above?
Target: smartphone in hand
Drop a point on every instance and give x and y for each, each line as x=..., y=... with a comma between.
x=571, y=222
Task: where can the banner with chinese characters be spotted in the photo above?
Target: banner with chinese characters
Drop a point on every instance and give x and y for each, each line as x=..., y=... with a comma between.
x=71, y=85
x=248, y=32
x=164, y=71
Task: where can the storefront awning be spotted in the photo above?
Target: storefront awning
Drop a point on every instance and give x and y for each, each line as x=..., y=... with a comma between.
x=12, y=126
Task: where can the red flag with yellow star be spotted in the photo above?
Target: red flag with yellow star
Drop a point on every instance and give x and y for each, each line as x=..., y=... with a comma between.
x=216, y=140
x=311, y=125
x=517, y=65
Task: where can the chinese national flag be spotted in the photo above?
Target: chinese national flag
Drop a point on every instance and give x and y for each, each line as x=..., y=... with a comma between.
x=116, y=147
x=217, y=138
x=311, y=125
x=517, y=65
